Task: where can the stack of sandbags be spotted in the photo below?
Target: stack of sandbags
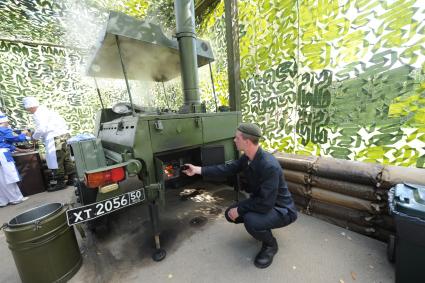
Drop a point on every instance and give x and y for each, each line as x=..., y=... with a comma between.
x=349, y=191
x=297, y=170
x=392, y=175
x=351, y=184
x=350, y=194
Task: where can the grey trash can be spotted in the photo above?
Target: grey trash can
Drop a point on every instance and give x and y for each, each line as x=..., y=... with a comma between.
x=407, y=205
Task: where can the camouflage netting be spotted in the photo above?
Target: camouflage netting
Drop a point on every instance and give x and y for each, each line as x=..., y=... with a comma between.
x=343, y=80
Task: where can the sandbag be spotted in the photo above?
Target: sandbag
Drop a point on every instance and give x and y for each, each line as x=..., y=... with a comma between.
x=382, y=194
x=296, y=162
x=346, y=188
x=382, y=234
x=345, y=224
x=392, y=175
x=346, y=201
x=349, y=171
x=374, y=232
x=300, y=200
x=383, y=221
x=296, y=176
x=298, y=189
x=344, y=213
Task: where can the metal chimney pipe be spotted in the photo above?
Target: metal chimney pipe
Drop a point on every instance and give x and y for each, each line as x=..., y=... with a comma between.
x=185, y=33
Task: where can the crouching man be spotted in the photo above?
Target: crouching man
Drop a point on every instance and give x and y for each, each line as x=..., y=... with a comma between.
x=270, y=204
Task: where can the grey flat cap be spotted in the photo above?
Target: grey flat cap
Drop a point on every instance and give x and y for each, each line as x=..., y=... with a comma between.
x=250, y=129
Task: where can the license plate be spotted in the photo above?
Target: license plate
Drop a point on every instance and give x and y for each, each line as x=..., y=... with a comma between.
x=95, y=210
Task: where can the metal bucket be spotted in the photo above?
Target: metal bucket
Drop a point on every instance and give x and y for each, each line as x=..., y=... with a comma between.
x=43, y=246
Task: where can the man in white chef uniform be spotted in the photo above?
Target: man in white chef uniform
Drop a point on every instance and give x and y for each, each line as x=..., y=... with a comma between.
x=52, y=129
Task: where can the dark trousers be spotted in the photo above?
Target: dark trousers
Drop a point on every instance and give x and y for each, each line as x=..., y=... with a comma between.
x=259, y=225
x=66, y=166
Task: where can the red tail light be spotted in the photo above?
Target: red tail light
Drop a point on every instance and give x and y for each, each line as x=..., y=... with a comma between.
x=95, y=180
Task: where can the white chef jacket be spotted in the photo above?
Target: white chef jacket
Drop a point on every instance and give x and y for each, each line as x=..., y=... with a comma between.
x=48, y=125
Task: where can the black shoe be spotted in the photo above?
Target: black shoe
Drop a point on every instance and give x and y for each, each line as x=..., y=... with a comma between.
x=265, y=257
x=56, y=186
x=71, y=180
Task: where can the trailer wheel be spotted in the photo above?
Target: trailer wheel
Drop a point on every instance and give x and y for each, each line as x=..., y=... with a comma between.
x=99, y=226
x=159, y=254
x=391, y=248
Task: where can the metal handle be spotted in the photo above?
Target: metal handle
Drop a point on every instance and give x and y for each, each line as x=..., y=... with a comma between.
x=36, y=225
x=158, y=125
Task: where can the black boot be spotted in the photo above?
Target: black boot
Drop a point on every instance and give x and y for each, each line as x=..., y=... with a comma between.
x=265, y=257
x=56, y=185
x=71, y=180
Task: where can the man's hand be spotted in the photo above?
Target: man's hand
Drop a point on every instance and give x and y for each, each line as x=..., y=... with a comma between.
x=233, y=213
x=27, y=133
x=17, y=149
x=192, y=170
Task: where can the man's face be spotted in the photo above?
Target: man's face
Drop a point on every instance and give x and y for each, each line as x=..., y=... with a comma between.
x=31, y=109
x=240, y=142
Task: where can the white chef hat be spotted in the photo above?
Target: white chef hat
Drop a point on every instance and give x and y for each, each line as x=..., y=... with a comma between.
x=3, y=118
x=30, y=101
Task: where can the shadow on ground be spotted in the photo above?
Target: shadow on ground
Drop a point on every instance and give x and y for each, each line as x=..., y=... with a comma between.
x=125, y=242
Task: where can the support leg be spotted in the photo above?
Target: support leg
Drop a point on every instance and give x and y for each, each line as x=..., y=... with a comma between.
x=159, y=253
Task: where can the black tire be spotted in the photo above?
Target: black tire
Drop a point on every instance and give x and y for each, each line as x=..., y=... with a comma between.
x=391, y=248
x=99, y=226
x=159, y=255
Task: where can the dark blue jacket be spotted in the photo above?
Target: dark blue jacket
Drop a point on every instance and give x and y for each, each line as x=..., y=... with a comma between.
x=265, y=179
